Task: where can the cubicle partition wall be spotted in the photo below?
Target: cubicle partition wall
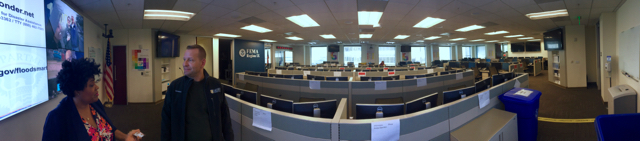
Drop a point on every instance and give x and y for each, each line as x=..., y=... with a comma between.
x=431, y=124
x=285, y=88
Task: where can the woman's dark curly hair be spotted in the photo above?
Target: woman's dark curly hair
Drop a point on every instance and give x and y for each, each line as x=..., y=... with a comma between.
x=75, y=74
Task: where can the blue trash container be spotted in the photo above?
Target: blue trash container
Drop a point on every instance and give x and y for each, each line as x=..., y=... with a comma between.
x=618, y=127
x=524, y=102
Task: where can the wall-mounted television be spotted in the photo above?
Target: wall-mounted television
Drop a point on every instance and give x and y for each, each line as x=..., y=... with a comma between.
x=533, y=46
x=333, y=48
x=168, y=45
x=517, y=47
x=405, y=48
x=554, y=39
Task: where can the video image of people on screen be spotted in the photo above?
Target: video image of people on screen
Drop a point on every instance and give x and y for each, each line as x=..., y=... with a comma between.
x=64, y=27
x=55, y=57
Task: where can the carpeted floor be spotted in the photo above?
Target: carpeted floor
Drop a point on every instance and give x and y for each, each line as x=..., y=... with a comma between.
x=555, y=102
x=561, y=103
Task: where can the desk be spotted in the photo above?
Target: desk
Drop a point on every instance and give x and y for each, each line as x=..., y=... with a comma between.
x=495, y=125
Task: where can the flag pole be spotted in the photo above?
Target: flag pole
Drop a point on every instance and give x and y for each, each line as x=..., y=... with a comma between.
x=107, y=76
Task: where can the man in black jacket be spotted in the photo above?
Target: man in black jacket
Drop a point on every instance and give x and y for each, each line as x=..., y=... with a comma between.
x=195, y=107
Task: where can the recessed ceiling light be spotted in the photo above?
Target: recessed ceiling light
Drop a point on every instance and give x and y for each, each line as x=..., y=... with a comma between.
x=376, y=25
x=339, y=42
x=267, y=40
x=227, y=35
x=511, y=36
x=548, y=14
x=328, y=36
x=256, y=28
x=401, y=37
x=525, y=38
x=457, y=39
x=152, y=14
x=492, y=41
x=390, y=42
x=496, y=33
x=369, y=17
x=420, y=41
x=504, y=42
x=534, y=40
x=476, y=40
x=312, y=43
x=303, y=20
x=432, y=38
x=366, y=35
x=294, y=38
x=469, y=28
x=428, y=22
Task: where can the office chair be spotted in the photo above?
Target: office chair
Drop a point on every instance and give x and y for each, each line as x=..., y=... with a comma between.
x=492, y=71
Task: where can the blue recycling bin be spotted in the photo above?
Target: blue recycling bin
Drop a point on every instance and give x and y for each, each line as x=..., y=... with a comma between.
x=524, y=102
x=618, y=127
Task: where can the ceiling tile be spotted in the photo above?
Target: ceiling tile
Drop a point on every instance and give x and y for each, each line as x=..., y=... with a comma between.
x=457, y=7
x=171, y=26
x=437, y=4
x=508, y=13
x=477, y=3
x=410, y=2
x=480, y=14
x=252, y=9
x=398, y=8
x=189, y=6
x=341, y=6
x=605, y=3
x=572, y=4
x=392, y=16
x=317, y=7
x=552, y=6
x=299, y=2
x=152, y=23
x=83, y=2
x=272, y=18
x=529, y=9
x=275, y=4
x=230, y=4
x=323, y=19
x=495, y=7
x=518, y=3
x=583, y=13
x=235, y=16
x=128, y=4
x=595, y=12
x=97, y=8
x=131, y=14
x=443, y=14
x=289, y=11
x=563, y=23
x=132, y=24
x=420, y=13
x=214, y=11
x=347, y=16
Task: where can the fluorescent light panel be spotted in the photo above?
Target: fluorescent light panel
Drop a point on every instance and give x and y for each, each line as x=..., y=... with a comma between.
x=492, y=41
x=496, y=33
x=548, y=14
x=303, y=20
x=469, y=28
x=390, y=42
x=511, y=36
x=428, y=22
x=525, y=38
x=294, y=38
x=256, y=28
x=534, y=40
x=268, y=41
x=366, y=35
x=227, y=35
x=432, y=38
x=457, y=39
x=153, y=14
x=369, y=17
x=328, y=36
x=420, y=41
x=401, y=37
x=476, y=40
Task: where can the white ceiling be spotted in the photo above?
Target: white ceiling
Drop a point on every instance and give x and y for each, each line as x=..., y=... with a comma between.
x=339, y=17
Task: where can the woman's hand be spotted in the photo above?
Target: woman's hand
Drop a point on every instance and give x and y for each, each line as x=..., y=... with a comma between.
x=132, y=137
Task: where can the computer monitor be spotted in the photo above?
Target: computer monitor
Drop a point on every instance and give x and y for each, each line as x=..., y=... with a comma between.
x=369, y=111
x=247, y=96
x=292, y=76
x=453, y=95
x=497, y=79
x=472, y=65
x=482, y=65
x=370, y=78
x=262, y=74
x=413, y=76
x=276, y=103
x=508, y=76
x=422, y=103
x=276, y=75
x=310, y=77
x=444, y=73
x=249, y=72
x=457, y=71
x=318, y=77
x=498, y=66
x=395, y=77
x=483, y=84
x=430, y=75
x=326, y=109
x=338, y=78
x=454, y=64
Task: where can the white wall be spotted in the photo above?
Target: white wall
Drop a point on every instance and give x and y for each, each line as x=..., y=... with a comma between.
x=139, y=87
x=576, y=56
x=608, y=47
x=216, y=57
x=542, y=53
x=591, y=54
x=626, y=17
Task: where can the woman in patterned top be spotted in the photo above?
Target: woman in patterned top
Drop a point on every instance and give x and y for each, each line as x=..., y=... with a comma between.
x=80, y=116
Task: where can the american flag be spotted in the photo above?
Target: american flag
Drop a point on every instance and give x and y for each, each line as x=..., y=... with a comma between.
x=107, y=73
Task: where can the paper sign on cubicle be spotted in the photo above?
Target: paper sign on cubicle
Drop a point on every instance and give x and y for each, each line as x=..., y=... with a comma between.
x=241, y=77
x=392, y=73
x=314, y=85
x=306, y=73
x=341, y=68
x=368, y=68
x=429, y=70
x=385, y=130
x=421, y=82
x=517, y=85
x=262, y=119
x=458, y=76
x=484, y=99
x=320, y=67
x=338, y=74
x=360, y=74
x=385, y=69
x=381, y=85
x=278, y=71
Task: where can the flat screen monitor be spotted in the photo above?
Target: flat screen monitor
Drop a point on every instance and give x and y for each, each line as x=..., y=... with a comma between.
x=311, y=77
x=517, y=47
x=454, y=64
x=318, y=77
x=247, y=96
x=553, y=40
x=421, y=103
x=370, y=78
x=444, y=73
x=413, y=76
x=276, y=75
x=482, y=65
x=276, y=103
x=262, y=74
x=292, y=76
x=457, y=71
x=483, y=84
x=498, y=66
x=430, y=75
x=337, y=78
x=405, y=48
x=497, y=79
x=333, y=48
x=472, y=65
x=508, y=76
x=327, y=108
x=453, y=95
x=368, y=111
x=533, y=46
x=168, y=45
x=396, y=77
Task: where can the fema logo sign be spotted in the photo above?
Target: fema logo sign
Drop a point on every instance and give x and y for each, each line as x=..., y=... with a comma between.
x=249, y=53
x=242, y=52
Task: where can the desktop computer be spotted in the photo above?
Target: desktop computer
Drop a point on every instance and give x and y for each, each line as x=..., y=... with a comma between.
x=508, y=76
x=338, y=78
x=247, y=96
x=453, y=95
x=292, y=76
x=422, y=103
x=483, y=84
x=497, y=79
x=430, y=75
x=369, y=111
x=323, y=109
x=318, y=77
x=413, y=76
x=370, y=78
x=444, y=73
x=276, y=103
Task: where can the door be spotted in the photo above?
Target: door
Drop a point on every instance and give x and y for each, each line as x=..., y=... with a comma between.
x=120, y=75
